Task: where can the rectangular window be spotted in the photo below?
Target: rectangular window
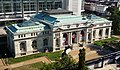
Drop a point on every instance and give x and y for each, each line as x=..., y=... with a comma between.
x=24, y=35
x=34, y=34
x=31, y=34
x=18, y=36
x=21, y=35
x=32, y=6
x=26, y=6
x=7, y=7
x=17, y=7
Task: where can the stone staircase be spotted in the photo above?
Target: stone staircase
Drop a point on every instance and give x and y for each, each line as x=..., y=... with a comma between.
x=3, y=65
x=90, y=54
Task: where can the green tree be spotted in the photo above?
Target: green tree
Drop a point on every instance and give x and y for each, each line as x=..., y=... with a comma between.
x=66, y=63
x=82, y=60
x=115, y=18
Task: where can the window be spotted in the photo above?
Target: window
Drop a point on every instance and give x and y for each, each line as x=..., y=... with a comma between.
x=23, y=46
x=26, y=6
x=45, y=42
x=34, y=34
x=107, y=31
x=68, y=26
x=34, y=44
x=45, y=32
x=31, y=34
x=100, y=32
x=17, y=7
x=18, y=36
x=94, y=33
x=24, y=35
x=57, y=42
x=21, y=35
x=7, y=7
x=32, y=6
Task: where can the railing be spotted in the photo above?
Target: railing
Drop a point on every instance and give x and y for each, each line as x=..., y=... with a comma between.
x=103, y=58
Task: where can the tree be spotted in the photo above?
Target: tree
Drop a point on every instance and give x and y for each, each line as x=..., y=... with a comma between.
x=115, y=18
x=82, y=60
x=66, y=63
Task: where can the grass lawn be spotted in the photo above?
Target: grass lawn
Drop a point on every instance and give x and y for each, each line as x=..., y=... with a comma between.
x=50, y=55
x=101, y=42
x=35, y=66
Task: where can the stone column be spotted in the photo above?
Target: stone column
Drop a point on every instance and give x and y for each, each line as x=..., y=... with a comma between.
x=29, y=46
x=86, y=36
x=103, y=33
x=69, y=38
x=92, y=35
x=17, y=48
x=109, y=34
x=53, y=42
x=78, y=36
x=61, y=40
x=97, y=35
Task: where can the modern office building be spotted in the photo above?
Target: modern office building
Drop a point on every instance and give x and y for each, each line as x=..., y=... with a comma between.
x=55, y=31
x=13, y=9
x=77, y=6
x=18, y=9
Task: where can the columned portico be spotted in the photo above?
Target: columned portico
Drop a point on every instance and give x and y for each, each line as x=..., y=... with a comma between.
x=86, y=38
x=70, y=38
x=103, y=34
x=61, y=41
x=78, y=37
x=109, y=32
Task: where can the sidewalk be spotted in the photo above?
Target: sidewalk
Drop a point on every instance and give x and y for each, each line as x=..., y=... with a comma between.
x=41, y=59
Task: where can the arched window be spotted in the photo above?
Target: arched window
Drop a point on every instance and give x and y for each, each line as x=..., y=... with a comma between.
x=107, y=31
x=23, y=46
x=94, y=32
x=34, y=44
x=45, y=42
x=65, y=38
x=82, y=36
x=100, y=32
x=57, y=42
x=74, y=35
x=89, y=36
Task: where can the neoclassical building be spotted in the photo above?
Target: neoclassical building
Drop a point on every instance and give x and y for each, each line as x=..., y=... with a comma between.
x=55, y=31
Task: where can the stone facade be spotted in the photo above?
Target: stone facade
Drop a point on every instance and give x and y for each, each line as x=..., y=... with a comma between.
x=54, y=32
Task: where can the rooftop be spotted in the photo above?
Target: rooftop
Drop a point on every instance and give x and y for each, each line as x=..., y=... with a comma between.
x=44, y=21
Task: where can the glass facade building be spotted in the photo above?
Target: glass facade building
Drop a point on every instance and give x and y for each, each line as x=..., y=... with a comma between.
x=23, y=8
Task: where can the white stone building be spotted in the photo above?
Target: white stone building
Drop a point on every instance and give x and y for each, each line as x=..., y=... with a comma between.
x=54, y=32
